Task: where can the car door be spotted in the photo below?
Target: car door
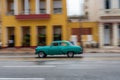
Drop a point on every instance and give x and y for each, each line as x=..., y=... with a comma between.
x=54, y=49
x=63, y=47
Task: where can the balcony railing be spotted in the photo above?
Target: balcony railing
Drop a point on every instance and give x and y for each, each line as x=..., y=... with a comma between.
x=110, y=12
x=11, y=12
x=30, y=15
x=27, y=12
x=57, y=10
x=42, y=11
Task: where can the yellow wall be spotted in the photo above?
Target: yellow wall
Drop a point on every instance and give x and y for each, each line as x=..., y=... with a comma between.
x=0, y=20
x=11, y=21
x=55, y=19
x=93, y=25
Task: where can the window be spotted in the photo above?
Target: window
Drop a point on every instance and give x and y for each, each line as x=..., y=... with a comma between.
x=41, y=35
x=106, y=27
x=63, y=44
x=57, y=6
x=119, y=3
x=119, y=26
x=86, y=13
x=107, y=4
x=42, y=7
x=25, y=7
x=55, y=44
x=57, y=31
x=81, y=31
x=119, y=33
x=10, y=7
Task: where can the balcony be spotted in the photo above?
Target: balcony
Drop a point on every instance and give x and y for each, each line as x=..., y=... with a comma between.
x=110, y=14
x=32, y=16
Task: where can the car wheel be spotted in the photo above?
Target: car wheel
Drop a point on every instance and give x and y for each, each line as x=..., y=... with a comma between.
x=41, y=54
x=70, y=54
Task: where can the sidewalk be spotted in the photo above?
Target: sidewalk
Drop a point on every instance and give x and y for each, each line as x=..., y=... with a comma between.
x=15, y=51
x=102, y=50
x=30, y=51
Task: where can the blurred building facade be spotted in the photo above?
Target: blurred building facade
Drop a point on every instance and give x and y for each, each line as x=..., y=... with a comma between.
x=107, y=14
x=0, y=22
x=85, y=31
x=29, y=23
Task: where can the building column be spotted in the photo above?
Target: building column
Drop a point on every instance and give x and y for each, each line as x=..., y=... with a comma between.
x=33, y=38
x=18, y=37
x=115, y=35
x=48, y=7
x=64, y=33
x=49, y=33
x=115, y=4
x=37, y=6
x=101, y=35
x=16, y=7
x=26, y=4
x=20, y=10
x=4, y=37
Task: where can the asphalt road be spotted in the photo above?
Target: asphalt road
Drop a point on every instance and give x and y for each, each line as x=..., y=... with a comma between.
x=82, y=67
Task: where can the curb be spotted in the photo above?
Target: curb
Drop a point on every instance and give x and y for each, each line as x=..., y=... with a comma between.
x=17, y=53
x=33, y=53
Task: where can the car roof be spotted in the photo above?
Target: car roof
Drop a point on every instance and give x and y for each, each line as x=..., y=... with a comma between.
x=60, y=41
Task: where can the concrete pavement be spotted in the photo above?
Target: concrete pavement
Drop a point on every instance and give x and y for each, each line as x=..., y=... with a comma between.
x=101, y=67
x=31, y=51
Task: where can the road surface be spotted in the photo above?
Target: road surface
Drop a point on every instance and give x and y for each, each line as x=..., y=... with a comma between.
x=83, y=67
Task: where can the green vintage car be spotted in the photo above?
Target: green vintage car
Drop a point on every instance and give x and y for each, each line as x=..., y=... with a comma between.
x=58, y=48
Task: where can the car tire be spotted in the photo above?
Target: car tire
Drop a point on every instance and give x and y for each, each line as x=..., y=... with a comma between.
x=70, y=54
x=41, y=55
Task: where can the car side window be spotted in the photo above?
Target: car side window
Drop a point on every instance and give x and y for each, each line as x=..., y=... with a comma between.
x=63, y=44
x=55, y=44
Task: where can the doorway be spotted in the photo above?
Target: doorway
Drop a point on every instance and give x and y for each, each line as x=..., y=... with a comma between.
x=108, y=35
x=41, y=35
x=11, y=36
x=26, y=36
x=57, y=33
x=119, y=35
